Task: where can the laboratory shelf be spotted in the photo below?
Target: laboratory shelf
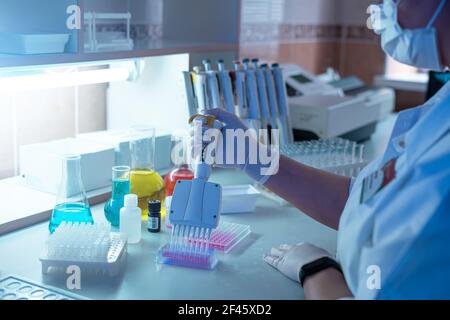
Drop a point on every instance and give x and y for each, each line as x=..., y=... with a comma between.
x=196, y=26
x=143, y=49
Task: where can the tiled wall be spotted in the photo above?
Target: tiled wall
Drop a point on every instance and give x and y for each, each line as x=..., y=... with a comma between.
x=33, y=117
x=313, y=33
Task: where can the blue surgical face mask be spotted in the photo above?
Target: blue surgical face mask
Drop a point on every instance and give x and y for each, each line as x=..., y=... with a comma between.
x=414, y=47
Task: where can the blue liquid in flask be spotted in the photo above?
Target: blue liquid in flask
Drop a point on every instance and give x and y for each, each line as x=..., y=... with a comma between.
x=70, y=212
x=112, y=207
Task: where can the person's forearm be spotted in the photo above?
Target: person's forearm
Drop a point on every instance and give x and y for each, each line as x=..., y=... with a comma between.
x=328, y=284
x=319, y=194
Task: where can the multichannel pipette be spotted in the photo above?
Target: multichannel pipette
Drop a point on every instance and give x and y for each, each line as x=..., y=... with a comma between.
x=195, y=210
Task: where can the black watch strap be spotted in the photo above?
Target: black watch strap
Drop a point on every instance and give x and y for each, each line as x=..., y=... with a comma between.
x=316, y=266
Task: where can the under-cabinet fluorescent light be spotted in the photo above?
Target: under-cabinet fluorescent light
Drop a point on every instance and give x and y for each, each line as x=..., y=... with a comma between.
x=51, y=78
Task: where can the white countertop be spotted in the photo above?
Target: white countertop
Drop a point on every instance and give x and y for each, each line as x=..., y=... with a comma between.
x=242, y=274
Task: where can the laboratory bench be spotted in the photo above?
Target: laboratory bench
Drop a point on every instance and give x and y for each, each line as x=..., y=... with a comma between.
x=241, y=274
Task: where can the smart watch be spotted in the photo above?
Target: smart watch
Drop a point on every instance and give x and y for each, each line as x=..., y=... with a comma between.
x=316, y=266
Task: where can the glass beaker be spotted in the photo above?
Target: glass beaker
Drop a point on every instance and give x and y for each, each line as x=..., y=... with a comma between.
x=145, y=182
x=120, y=188
x=71, y=202
x=182, y=169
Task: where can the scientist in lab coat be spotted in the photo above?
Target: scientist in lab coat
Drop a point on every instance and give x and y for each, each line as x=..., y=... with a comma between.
x=393, y=220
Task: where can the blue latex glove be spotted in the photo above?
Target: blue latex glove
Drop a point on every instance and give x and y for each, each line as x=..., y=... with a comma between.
x=247, y=157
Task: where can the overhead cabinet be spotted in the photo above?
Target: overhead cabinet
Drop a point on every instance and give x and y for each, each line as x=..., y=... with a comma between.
x=68, y=31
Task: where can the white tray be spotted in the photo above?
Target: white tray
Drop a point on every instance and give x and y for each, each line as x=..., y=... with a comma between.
x=239, y=199
x=33, y=43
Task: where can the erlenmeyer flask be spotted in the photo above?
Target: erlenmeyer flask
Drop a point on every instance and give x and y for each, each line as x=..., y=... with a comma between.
x=71, y=203
x=182, y=169
x=145, y=182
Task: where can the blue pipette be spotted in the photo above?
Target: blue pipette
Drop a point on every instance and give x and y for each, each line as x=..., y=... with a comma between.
x=272, y=96
x=287, y=133
x=226, y=86
x=241, y=90
x=252, y=91
x=212, y=85
x=262, y=93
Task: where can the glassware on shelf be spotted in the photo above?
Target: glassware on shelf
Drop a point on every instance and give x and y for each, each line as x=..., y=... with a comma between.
x=120, y=188
x=71, y=203
x=145, y=182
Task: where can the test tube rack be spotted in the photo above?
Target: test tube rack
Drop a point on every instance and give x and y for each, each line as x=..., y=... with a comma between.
x=15, y=288
x=93, y=41
x=336, y=155
x=91, y=247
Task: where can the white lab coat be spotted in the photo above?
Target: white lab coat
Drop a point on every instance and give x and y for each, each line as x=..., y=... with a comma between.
x=404, y=230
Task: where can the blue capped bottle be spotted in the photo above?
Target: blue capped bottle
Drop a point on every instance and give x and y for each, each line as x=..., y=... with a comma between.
x=71, y=202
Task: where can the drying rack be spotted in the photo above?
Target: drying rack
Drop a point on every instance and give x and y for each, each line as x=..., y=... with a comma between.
x=92, y=42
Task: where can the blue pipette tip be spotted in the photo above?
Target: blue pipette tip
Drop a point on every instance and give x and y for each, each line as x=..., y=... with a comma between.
x=275, y=65
x=255, y=60
x=246, y=60
x=220, y=61
x=264, y=65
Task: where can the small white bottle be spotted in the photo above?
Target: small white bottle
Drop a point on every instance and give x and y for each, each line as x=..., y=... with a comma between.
x=130, y=219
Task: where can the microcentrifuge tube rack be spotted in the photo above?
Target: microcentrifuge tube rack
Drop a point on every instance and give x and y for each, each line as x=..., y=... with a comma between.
x=187, y=257
x=227, y=236
x=91, y=247
x=337, y=155
x=15, y=288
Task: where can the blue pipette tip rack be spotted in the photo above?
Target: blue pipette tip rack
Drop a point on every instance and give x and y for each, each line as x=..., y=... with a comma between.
x=205, y=260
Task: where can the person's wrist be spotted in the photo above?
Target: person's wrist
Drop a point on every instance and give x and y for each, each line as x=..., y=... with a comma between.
x=325, y=274
x=316, y=266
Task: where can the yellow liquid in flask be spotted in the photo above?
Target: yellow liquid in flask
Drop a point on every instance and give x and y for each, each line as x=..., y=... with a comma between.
x=147, y=185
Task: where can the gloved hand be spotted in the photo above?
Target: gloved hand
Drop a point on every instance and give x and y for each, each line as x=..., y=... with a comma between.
x=289, y=260
x=246, y=157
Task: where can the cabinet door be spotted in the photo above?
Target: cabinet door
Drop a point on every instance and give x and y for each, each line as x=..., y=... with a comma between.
x=162, y=26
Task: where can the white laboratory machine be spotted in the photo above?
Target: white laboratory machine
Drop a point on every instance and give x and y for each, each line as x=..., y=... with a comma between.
x=335, y=108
